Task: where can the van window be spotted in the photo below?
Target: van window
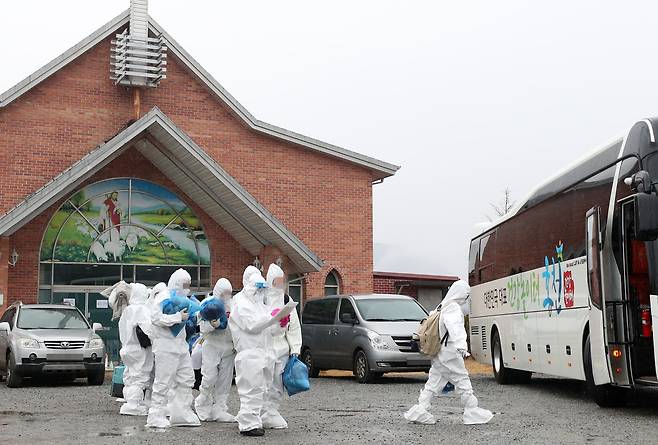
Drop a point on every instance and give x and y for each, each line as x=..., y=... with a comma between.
x=320, y=311
x=346, y=307
x=390, y=309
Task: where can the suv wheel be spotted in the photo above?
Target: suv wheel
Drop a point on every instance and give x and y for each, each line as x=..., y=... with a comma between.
x=362, y=368
x=307, y=358
x=96, y=378
x=14, y=379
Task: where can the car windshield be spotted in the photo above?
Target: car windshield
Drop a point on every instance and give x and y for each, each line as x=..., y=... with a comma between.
x=390, y=309
x=50, y=318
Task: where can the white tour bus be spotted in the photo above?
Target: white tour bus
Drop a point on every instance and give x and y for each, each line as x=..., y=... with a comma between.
x=567, y=283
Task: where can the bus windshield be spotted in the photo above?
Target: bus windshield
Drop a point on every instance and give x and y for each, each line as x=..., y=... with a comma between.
x=50, y=318
x=390, y=309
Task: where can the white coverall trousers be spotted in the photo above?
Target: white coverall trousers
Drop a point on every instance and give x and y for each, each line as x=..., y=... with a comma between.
x=136, y=379
x=271, y=417
x=217, y=370
x=253, y=376
x=448, y=366
x=173, y=371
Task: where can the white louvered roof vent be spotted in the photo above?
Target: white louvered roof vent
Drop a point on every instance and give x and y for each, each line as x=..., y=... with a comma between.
x=138, y=60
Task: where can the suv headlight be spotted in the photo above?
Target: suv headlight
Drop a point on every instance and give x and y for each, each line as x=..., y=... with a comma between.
x=377, y=341
x=28, y=343
x=95, y=343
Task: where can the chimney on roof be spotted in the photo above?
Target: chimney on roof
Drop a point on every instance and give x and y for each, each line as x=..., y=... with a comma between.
x=139, y=19
x=138, y=60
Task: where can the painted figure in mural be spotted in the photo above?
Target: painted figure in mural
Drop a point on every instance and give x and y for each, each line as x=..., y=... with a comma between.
x=250, y=324
x=136, y=353
x=217, y=355
x=448, y=365
x=173, y=365
x=111, y=216
x=287, y=338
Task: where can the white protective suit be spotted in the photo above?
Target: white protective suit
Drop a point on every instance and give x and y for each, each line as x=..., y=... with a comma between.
x=216, y=363
x=448, y=365
x=286, y=341
x=173, y=365
x=137, y=360
x=249, y=323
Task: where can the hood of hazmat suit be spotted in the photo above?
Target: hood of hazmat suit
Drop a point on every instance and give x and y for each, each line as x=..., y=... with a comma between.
x=180, y=282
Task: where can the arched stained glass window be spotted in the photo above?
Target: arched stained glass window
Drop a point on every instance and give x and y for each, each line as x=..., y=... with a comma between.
x=125, y=221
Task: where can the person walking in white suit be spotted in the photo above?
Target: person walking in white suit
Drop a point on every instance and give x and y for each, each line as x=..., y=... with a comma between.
x=287, y=341
x=138, y=360
x=448, y=365
x=217, y=362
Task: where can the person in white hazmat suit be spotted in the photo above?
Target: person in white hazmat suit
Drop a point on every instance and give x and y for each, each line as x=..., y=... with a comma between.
x=448, y=365
x=173, y=365
x=287, y=341
x=137, y=359
x=250, y=323
x=216, y=363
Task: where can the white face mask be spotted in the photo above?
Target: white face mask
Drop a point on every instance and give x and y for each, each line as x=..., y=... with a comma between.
x=184, y=292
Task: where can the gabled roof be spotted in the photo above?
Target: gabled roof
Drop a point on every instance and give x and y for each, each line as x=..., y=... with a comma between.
x=380, y=169
x=193, y=171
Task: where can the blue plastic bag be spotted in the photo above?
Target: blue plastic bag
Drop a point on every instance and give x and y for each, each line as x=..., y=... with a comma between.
x=295, y=376
x=213, y=309
x=176, y=303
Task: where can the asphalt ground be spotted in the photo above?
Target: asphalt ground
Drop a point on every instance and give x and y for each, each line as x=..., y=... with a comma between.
x=338, y=410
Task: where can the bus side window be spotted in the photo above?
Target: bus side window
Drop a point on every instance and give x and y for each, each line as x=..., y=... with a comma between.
x=487, y=258
x=473, y=255
x=593, y=259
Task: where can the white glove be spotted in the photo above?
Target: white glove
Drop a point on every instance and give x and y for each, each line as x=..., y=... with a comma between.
x=464, y=353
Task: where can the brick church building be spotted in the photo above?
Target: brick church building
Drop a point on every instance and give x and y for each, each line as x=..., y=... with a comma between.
x=124, y=159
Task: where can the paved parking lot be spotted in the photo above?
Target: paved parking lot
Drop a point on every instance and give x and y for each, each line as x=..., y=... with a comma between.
x=338, y=410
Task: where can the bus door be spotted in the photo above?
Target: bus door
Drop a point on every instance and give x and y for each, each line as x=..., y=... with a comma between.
x=636, y=290
x=597, y=334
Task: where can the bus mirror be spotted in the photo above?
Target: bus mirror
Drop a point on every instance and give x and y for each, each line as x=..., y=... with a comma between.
x=640, y=182
x=646, y=217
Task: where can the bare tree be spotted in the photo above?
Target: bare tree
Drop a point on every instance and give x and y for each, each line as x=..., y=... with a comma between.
x=504, y=205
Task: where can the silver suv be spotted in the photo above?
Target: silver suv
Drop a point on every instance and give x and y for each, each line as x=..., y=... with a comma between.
x=49, y=339
x=368, y=334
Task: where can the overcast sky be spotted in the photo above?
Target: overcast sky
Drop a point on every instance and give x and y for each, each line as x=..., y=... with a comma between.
x=468, y=97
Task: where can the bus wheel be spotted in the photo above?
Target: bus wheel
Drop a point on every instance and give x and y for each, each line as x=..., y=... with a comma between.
x=504, y=375
x=606, y=396
x=501, y=373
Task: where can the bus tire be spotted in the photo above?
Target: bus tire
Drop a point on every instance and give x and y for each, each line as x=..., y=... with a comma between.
x=606, y=396
x=502, y=374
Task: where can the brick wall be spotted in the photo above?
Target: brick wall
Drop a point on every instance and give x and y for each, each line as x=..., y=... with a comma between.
x=386, y=285
x=326, y=202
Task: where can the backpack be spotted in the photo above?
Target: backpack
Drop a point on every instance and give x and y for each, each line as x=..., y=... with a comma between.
x=428, y=339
